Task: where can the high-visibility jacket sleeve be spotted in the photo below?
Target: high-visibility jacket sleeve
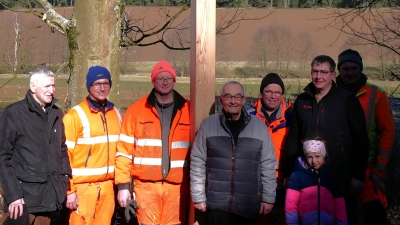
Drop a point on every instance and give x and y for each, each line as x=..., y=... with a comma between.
x=72, y=126
x=386, y=132
x=125, y=149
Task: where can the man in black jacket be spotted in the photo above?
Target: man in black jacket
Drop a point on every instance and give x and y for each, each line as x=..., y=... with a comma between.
x=336, y=116
x=34, y=165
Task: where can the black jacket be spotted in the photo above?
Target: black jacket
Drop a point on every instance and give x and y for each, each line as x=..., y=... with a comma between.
x=339, y=119
x=34, y=162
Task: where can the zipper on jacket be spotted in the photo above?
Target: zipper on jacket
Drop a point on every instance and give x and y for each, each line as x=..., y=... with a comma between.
x=319, y=199
x=87, y=158
x=105, y=127
x=104, y=122
x=232, y=175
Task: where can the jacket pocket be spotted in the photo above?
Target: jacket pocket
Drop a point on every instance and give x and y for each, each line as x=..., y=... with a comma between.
x=34, y=188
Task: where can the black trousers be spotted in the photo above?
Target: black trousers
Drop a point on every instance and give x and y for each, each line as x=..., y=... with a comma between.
x=222, y=217
x=375, y=213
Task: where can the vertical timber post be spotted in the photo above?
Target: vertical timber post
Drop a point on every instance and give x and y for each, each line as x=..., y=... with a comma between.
x=202, y=74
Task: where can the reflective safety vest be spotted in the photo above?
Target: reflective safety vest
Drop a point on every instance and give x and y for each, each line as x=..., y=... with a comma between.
x=140, y=143
x=91, y=139
x=278, y=129
x=380, y=125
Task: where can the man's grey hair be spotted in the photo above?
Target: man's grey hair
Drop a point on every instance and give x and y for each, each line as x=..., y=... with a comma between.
x=233, y=82
x=40, y=73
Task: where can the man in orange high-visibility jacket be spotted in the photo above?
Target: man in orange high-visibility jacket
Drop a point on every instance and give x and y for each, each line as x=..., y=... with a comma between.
x=92, y=130
x=153, y=147
x=380, y=125
x=276, y=114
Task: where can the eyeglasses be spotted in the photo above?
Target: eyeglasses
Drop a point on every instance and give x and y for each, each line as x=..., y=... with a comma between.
x=98, y=85
x=161, y=80
x=322, y=72
x=228, y=97
x=270, y=93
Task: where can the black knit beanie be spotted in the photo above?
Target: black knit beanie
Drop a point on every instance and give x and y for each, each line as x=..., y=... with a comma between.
x=349, y=55
x=272, y=78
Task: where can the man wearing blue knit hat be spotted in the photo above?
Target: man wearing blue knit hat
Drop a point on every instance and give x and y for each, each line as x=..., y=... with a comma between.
x=92, y=129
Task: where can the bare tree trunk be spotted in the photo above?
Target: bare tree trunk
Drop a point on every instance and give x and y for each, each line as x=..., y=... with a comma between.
x=98, y=33
x=16, y=29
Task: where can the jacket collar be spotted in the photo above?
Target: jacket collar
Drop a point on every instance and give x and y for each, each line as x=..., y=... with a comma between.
x=354, y=88
x=179, y=101
x=245, y=114
x=259, y=108
x=93, y=108
x=310, y=89
x=33, y=105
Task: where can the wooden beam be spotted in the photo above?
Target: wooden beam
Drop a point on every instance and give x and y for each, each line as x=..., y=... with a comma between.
x=202, y=73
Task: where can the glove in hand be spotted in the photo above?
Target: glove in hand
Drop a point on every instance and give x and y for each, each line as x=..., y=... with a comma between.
x=131, y=205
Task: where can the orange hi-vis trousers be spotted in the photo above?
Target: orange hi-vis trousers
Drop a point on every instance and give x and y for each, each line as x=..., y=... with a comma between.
x=95, y=204
x=161, y=202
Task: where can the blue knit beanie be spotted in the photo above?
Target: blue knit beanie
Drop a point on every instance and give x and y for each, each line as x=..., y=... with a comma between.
x=97, y=73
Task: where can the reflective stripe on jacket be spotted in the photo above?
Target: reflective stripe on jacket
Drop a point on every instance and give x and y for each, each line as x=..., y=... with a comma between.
x=140, y=141
x=91, y=141
x=380, y=125
x=278, y=130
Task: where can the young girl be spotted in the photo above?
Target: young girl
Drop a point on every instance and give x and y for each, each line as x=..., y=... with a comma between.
x=314, y=195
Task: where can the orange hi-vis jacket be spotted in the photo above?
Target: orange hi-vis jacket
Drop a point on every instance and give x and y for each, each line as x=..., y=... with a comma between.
x=278, y=130
x=92, y=142
x=380, y=125
x=140, y=142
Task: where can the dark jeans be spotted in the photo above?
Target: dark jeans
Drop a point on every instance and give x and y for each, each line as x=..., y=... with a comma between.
x=222, y=217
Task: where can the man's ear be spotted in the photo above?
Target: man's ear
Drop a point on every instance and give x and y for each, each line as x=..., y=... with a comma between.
x=32, y=87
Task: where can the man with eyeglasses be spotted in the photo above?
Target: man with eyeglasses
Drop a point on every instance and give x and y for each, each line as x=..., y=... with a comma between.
x=92, y=129
x=381, y=130
x=336, y=116
x=154, y=148
x=276, y=114
x=232, y=170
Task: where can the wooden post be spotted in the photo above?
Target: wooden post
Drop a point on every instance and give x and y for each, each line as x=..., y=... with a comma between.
x=202, y=73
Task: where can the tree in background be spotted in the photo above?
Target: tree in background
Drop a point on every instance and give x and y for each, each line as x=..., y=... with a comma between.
x=273, y=45
x=180, y=60
x=258, y=54
x=305, y=48
x=282, y=41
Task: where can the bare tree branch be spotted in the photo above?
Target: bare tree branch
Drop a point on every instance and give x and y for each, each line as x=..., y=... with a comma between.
x=134, y=32
x=54, y=20
x=239, y=16
x=379, y=26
